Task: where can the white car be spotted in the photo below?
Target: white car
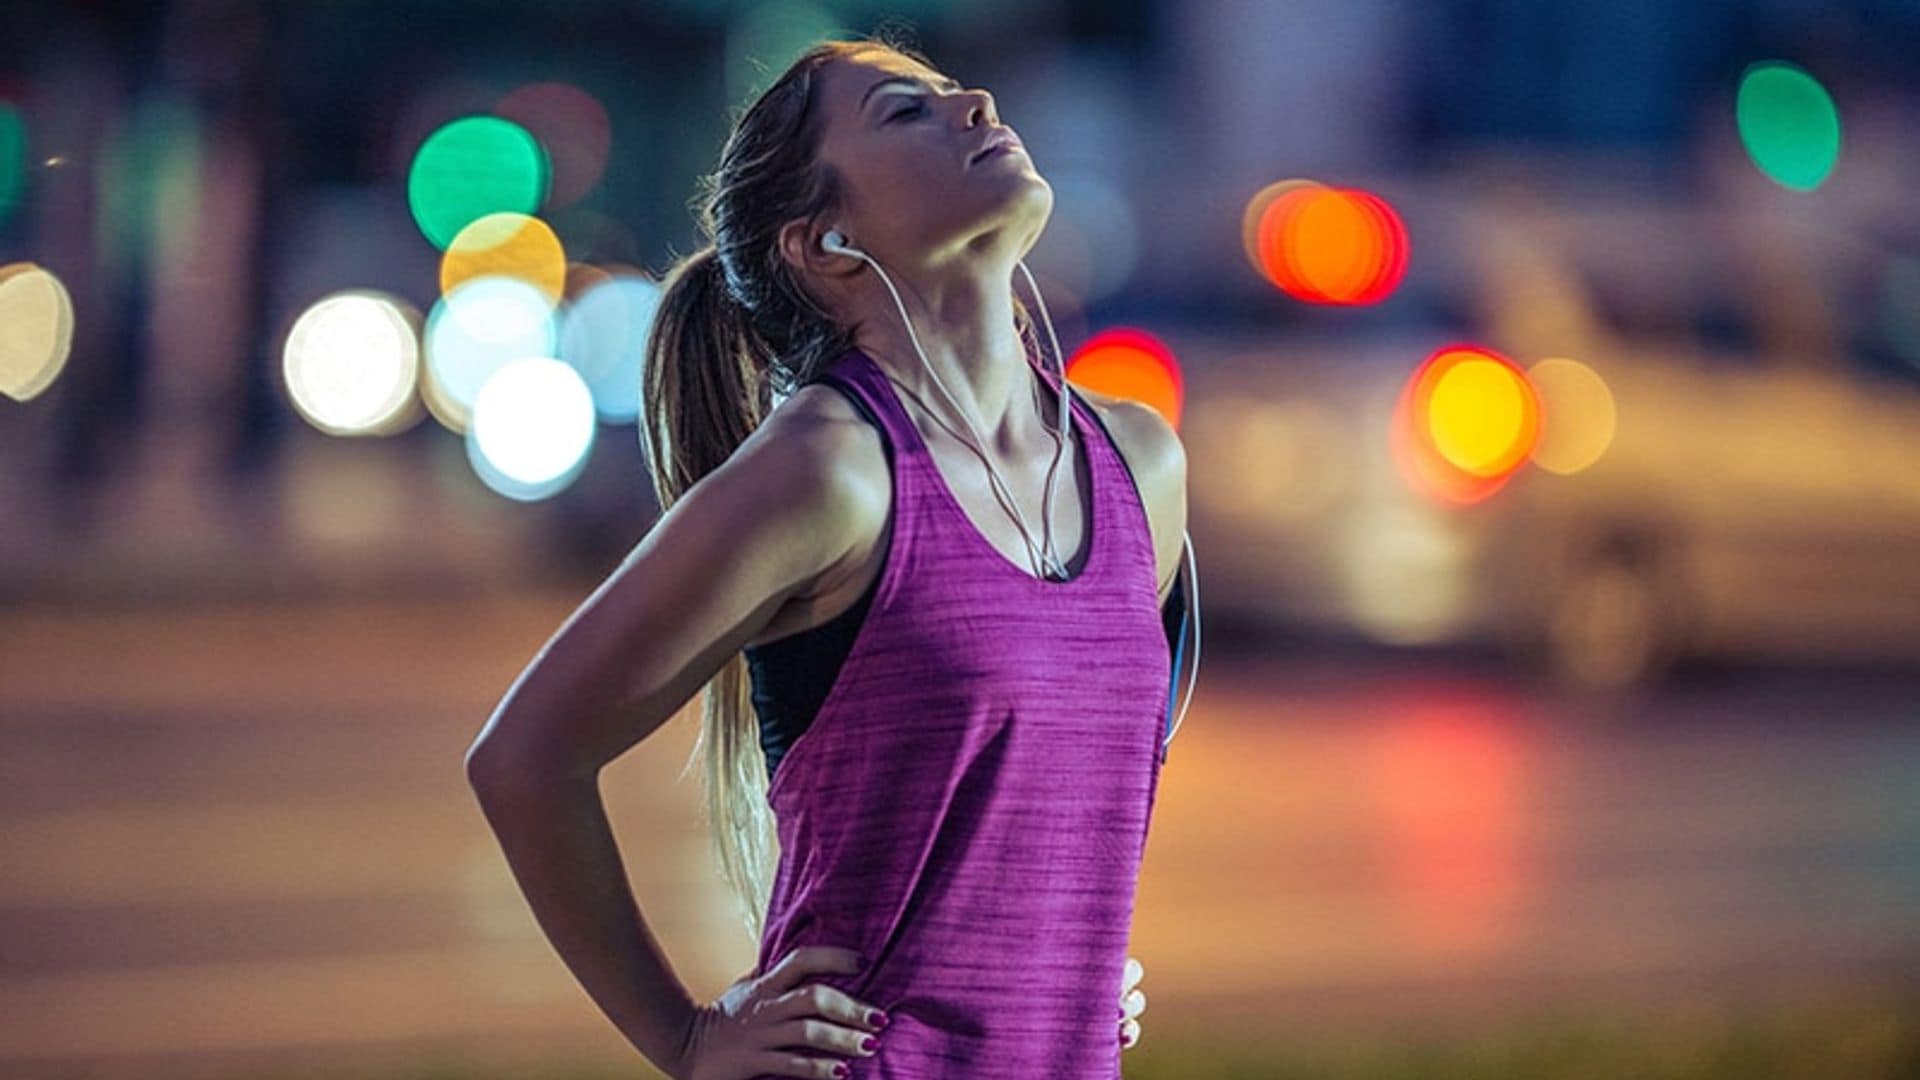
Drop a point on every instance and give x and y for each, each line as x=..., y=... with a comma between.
x=1758, y=495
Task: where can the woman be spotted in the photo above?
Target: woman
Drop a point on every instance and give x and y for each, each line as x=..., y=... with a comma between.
x=961, y=673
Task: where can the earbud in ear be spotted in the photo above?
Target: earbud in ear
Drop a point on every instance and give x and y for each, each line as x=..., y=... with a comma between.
x=833, y=241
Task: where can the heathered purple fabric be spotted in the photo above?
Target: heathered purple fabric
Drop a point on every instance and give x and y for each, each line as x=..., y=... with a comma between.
x=969, y=807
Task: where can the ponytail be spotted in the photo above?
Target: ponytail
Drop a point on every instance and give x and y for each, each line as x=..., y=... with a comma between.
x=704, y=382
x=705, y=377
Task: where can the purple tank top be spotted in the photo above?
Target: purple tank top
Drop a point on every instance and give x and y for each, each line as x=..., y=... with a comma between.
x=969, y=807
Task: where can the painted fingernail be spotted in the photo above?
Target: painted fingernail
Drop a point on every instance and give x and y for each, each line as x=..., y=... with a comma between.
x=869, y=1044
x=877, y=1018
x=840, y=1069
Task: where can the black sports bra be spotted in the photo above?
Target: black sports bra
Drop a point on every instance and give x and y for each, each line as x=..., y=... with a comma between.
x=792, y=675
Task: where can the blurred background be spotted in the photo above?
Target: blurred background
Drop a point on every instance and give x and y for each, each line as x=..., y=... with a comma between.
x=1550, y=377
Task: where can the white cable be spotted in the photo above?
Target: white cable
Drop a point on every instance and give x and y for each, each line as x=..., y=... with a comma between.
x=1060, y=372
x=1048, y=559
x=1193, y=570
x=1193, y=582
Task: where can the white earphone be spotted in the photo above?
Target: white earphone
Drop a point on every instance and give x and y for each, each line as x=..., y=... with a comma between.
x=836, y=242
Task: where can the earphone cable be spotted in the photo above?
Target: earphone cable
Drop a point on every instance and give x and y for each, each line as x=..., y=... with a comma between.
x=1049, y=561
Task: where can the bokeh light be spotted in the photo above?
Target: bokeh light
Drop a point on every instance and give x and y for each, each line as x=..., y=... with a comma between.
x=36, y=330
x=1582, y=408
x=603, y=335
x=1132, y=364
x=351, y=363
x=533, y=425
x=1465, y=420
x=1326, y=245
x=573, y=126
x=1480, y=412
x=472, y=167
x=575, y=129
x=1253, y=220
x=1451, y=789
x=13, y=159
x=447, y=412
x=506, y=245
x=1788, y=124
x=477, y=329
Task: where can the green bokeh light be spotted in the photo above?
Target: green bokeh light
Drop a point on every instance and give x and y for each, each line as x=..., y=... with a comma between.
x=1788, y=124
x=13, y=159
x=472, y=167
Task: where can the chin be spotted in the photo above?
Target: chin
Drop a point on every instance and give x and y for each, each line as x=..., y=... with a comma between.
x=1038, y=209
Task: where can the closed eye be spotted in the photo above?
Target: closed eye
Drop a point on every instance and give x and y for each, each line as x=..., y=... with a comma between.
x=909, y=110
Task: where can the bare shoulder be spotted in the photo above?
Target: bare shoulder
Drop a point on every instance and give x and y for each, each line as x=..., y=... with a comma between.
x=820, y=420
x=1148, y=440
x=1158, y=461
x=824, y=441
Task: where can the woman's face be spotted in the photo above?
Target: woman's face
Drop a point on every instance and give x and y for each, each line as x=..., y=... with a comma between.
x=902, y=135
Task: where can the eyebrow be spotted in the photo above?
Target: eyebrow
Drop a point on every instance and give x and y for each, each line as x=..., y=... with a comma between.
x=947, y=82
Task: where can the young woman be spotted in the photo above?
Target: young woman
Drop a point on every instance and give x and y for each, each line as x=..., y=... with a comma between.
x=940, y=586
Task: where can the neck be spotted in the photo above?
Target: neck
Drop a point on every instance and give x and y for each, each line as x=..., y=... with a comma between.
x=964, y=320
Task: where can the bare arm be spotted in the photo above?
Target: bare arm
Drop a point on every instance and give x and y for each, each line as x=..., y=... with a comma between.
x=705, y=579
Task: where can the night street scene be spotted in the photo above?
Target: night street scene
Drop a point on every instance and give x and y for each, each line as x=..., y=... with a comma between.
x=1484, y=543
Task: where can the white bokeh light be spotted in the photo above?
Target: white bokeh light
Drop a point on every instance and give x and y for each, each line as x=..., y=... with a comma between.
x=533, y=424
x=351, y=362
x=604, y=336
x=481, y=326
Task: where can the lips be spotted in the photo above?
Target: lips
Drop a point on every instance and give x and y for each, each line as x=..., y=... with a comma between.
x=999, y=138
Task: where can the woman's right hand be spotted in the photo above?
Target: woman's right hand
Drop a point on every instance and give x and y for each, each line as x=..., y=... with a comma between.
x=762, y=1023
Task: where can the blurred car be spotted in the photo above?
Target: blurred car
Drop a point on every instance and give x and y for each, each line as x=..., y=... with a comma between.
x=1755, y=497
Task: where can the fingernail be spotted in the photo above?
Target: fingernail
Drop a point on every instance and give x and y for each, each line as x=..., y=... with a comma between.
x=840, y=1069
x=869, y=1044
x=877, y=1018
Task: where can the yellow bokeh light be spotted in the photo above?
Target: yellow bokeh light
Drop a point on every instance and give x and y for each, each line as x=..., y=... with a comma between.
x=506, y=245
x=36, y=330
x=1478, y=415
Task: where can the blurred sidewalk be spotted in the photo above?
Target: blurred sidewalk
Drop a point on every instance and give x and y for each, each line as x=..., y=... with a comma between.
x=240, y=833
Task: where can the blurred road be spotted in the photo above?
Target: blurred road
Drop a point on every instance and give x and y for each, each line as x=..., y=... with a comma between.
x=242, y=835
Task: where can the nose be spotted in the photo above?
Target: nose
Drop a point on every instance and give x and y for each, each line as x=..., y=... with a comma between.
x=981, y=105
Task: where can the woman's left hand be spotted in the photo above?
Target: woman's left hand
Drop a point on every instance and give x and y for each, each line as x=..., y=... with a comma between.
x=1132, y=1003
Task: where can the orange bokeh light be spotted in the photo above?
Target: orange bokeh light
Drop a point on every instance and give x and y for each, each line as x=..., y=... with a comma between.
x=1326, y=245
x=1132, y=364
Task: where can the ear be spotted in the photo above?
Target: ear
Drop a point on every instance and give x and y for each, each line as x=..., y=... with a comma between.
x=799, y=244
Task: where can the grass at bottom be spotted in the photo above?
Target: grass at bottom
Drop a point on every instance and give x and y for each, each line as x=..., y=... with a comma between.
x=1872, y=1040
